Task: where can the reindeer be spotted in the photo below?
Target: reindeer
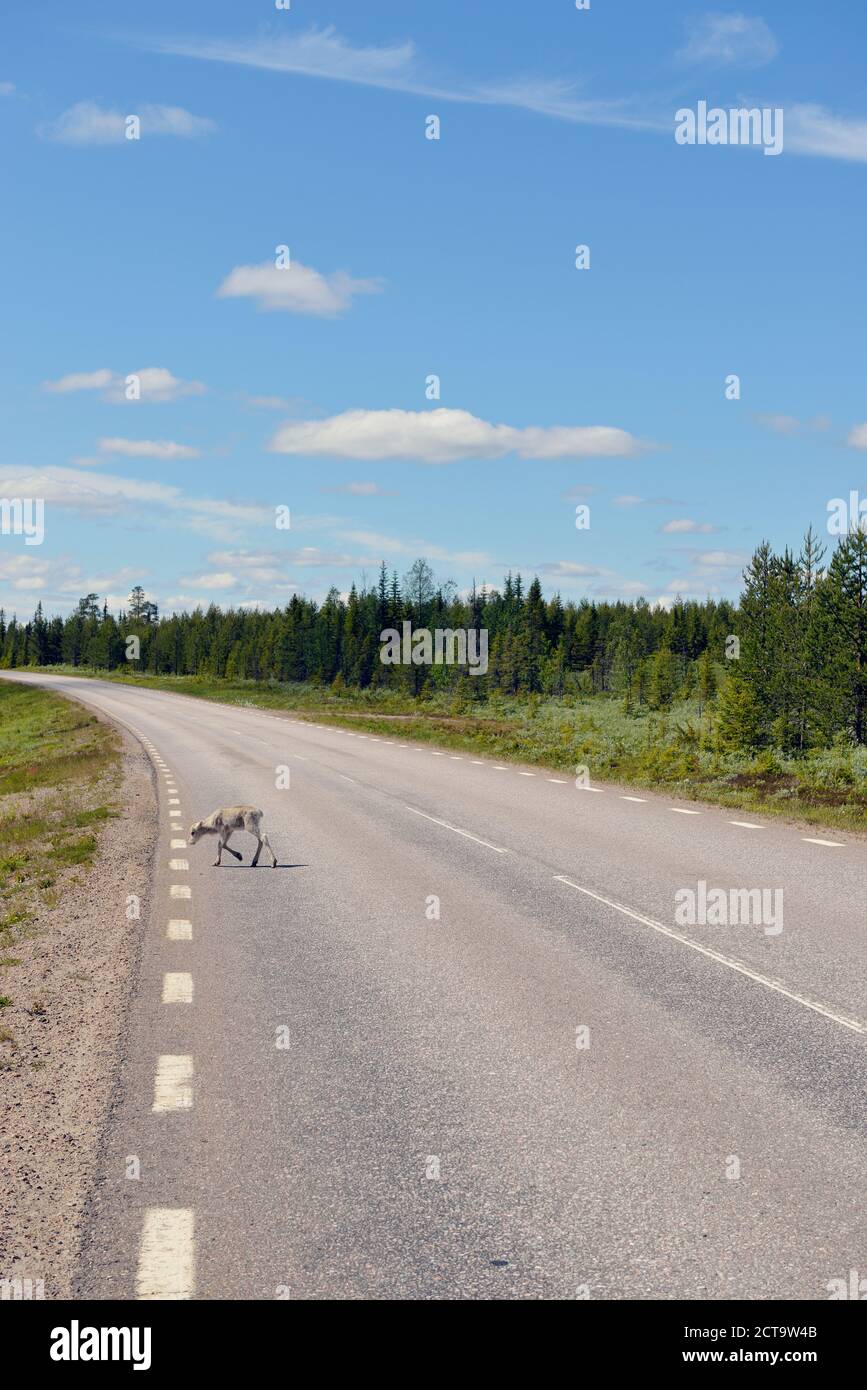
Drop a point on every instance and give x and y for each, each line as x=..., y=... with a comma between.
x=227, y=820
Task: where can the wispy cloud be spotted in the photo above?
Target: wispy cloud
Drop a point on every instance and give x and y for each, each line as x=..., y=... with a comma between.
x=729, y=39
x=155, y=385
x=360, y=489
x=857, y=436
x=163, y=449
x=297, y=289
x=790, y=425
x=324, y=53
x=446, y=436
x=87, y=123
x=685, y=526
x=106, y=495
x=7, y=89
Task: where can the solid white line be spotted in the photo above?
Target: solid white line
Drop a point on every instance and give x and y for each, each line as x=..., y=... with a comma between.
x=831, y=844
x=179, y=929
x=180, y=890
x=774, y=985
x=455, y=829
x=179, y=865
x=173, y=1084
x=746, y=825
x=681, y=811
x=177, y=987
x=166, y=1260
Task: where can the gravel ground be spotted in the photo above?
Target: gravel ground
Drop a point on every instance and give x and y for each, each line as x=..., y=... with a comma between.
x=79, y=969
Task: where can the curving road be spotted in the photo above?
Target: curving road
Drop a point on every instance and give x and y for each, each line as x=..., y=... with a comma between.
x=551, y=1089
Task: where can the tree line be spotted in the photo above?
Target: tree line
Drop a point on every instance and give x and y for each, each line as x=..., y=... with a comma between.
x=785, y=667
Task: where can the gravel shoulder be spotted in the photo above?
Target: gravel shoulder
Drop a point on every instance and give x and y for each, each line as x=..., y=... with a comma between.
x=73, y=979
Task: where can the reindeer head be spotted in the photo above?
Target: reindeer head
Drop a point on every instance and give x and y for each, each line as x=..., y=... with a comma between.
x=195, y=832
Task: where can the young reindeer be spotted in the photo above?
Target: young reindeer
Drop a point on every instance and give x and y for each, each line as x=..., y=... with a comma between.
x=227, y=820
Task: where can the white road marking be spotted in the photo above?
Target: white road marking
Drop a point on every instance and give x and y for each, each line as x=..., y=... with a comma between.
x=166, y=1259
x=681, y=811
x=634, y=798
x=177, y=987
x=497, y=768
x=526, y=774
x=454, y=758
x=175, y=813
x=476, y=763
x=560, y=781
x=580, y=788
x=456, y=831
x=174, y=801
x=347, y=779
x=746, y=825
x=173, y=1084
x=179, y=865
x=178, y=844
x=436, y=755
x=181, y=890
x=732, y=964
x=831, y=844
x=179, y=929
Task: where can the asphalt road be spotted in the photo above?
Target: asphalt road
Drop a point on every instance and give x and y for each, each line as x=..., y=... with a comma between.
x=552, y=1089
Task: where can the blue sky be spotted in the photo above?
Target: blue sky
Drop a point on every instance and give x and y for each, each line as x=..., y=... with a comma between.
x=305, y=387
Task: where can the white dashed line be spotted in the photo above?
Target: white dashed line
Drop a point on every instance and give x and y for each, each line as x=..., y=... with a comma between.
x=179, y=929
x=347, y=779
x=166, y=1260
x=560, y=781
x=466, y=834
x=178, y=844
x=177, y=987
x=774, y=985
x=642, y=799
x=526, y=774
x=181, y=890
x=830, y=844
x=179, y=865
x=746, y=825
x=173, y=1084
x=681, y=811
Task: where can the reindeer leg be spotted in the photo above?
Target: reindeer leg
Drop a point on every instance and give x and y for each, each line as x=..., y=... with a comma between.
x=256, y=855
x=238, y=856
x=266, y=841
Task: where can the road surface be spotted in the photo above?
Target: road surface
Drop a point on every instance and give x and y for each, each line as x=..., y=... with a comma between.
x=458, y=1046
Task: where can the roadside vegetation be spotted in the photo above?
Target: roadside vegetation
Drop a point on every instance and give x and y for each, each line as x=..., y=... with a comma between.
x=757, y=705
x=672, y=749
x=59, y=769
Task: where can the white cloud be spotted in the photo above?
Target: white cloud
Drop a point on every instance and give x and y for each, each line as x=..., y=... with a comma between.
x=7, y=89
x=857, y=436
x=106, y=495
x=724, y=39
x=684, y=525
x=812, y=129
x=297, y=289
x=445, y=436
x=163, y=449
x=86, y=123
x=156, y=385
